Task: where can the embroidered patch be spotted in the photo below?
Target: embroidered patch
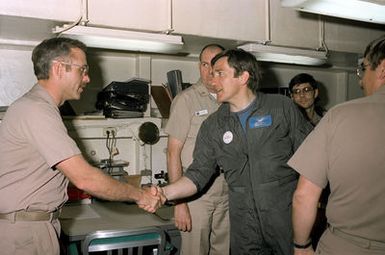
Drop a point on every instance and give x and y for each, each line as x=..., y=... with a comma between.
x=260, y=121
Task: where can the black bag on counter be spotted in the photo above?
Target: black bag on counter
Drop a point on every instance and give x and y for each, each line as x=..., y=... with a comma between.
x=118, y=97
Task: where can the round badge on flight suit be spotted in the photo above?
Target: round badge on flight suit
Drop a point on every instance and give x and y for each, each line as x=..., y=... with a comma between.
x=227, y=137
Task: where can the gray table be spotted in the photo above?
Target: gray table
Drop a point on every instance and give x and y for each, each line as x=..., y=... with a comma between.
x=79, y=220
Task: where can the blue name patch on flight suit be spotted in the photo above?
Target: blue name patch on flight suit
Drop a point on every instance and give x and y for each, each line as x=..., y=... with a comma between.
x=260, y=121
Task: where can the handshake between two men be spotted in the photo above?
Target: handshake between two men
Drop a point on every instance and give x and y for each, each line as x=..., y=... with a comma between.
x=154, y=197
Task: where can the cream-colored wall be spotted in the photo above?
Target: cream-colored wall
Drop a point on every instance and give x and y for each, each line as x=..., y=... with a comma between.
x=17, y=76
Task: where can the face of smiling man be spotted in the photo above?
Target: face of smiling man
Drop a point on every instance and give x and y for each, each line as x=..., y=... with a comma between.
x=75, y=74
x=304, y=95
x=225, y=84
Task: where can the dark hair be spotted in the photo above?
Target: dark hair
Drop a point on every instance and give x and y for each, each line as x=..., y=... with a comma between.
x=375, y=52
x=303, y=78
x=242, y=61
x=50, y=49
x=307, y=78
x=211, y=46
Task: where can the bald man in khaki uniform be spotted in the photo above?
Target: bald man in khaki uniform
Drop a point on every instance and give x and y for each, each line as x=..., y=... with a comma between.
x=204, y=220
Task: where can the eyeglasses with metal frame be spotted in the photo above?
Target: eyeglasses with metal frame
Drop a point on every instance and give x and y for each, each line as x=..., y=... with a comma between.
x=306, y=90
x=84, y=69
x=361, y=70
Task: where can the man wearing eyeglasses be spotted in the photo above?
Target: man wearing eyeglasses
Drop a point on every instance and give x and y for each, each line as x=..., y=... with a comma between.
x=37, y=157
x=304, y=92
x=346, y=149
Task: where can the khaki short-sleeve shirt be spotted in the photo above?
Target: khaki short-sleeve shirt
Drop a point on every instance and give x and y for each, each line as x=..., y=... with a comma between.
x=347, y=148
x=188, y=110
x=33, y=140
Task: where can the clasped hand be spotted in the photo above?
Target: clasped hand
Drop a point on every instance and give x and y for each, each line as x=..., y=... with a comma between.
x=152, y=198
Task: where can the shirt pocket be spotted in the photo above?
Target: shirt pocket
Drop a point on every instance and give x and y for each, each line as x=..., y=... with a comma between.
x=196, y=123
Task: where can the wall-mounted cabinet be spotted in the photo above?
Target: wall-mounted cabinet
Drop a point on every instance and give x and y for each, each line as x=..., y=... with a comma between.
x=292, y=28
x=150, y=15
x=69, y=10
x=350, y=36
x=24, y=22
x=237, y=20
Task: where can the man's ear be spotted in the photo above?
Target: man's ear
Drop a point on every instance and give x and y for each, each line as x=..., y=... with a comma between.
x=244, y=77
x=381, y=70
x=56, y=70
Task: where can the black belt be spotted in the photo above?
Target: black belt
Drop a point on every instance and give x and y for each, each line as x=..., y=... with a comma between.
x=30, y=216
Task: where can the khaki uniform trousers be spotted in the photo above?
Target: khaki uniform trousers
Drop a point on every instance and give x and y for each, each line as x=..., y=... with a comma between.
x=210, y=232
x=29, y=237
x=334, y=244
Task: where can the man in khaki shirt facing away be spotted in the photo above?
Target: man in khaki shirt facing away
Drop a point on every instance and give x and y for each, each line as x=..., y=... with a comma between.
x=346, y=149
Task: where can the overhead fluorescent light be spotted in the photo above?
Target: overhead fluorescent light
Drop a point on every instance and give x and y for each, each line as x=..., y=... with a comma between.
x=363, y=10
x=286, y=55
x=105, y=38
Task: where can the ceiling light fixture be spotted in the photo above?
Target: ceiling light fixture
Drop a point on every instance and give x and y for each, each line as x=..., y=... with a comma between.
x=362, y=10
x=105, y=38
x=286, y=55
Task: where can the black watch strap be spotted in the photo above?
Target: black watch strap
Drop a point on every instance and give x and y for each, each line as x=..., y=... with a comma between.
x=303, y=246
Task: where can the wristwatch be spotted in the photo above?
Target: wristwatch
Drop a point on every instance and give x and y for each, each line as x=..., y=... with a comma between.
x=303, y=246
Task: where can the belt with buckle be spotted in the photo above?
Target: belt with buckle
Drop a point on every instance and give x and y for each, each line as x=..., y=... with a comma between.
x=30, y=216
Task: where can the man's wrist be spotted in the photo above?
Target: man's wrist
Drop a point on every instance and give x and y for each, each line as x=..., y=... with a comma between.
x=164, y=193
x=137, y=194
x=167, y=202
x=303, y=246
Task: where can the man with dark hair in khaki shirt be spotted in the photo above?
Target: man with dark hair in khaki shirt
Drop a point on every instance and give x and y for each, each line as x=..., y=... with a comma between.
x=346, y=149
x=37, y=157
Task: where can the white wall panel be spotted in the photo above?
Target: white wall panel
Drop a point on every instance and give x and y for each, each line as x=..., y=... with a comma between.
x=16, y=75
x=160, y=67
